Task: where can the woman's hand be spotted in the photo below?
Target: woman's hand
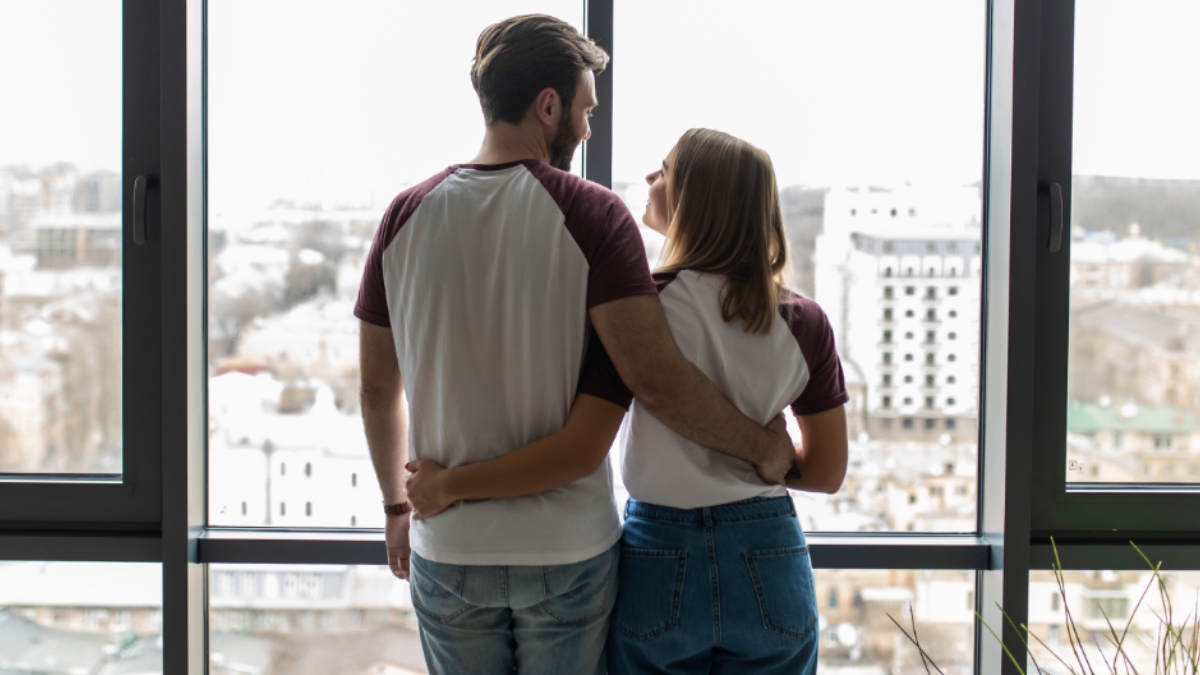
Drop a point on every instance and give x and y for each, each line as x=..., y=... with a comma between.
x=426, y=489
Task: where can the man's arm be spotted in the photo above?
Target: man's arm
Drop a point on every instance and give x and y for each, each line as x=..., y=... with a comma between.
x=575, y=451
x=386, y=422
x=634, y=330
x=823, y=452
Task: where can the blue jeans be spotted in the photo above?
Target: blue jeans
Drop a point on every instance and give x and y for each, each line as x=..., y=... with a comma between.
x=723, y=589
x=528, y=619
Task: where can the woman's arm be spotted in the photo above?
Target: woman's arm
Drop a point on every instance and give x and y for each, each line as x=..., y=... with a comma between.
x=564, y=457
x=822, y=454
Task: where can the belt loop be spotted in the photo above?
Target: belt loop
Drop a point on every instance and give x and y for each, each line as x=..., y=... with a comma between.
x=708, y=519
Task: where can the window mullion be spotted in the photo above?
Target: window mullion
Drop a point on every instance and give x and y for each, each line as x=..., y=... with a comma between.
x=183, y=365
x=598, y=151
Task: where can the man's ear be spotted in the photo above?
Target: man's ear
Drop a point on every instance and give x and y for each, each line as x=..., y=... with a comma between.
x=547, y=107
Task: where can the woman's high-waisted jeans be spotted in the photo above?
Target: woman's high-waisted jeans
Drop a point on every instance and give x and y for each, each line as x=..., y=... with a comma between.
x=722, y=589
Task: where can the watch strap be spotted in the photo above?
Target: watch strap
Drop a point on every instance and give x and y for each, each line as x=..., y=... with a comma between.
x=397, y=509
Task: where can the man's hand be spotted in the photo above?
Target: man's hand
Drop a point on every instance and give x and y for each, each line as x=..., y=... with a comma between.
x=398, y=551
x=774, y=467
x=425, y=488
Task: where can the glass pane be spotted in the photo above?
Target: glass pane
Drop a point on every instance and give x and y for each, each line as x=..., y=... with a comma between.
x=60, y=237
x=67, y=618
x=1135, y=246
x=344, y=620
x=1096, y=597
x=317, y=117
x=872, y=112
x=858, y=638
x=333, y=620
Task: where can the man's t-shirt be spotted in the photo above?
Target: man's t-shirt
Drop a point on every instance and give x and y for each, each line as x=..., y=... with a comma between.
x=795, y=364
x=485, y=274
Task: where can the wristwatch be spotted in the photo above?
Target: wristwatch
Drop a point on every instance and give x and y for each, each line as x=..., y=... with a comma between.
x=397, y=509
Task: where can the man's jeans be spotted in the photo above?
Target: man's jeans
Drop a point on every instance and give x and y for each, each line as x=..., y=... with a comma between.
x=724, y=589
x=534, y=620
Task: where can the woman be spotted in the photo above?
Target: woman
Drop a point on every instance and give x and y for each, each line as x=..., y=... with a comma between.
x=715, y=575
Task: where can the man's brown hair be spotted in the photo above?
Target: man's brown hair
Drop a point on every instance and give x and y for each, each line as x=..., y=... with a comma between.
x=517, y=58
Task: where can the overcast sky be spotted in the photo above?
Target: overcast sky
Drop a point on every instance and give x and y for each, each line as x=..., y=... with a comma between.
x=348, y=101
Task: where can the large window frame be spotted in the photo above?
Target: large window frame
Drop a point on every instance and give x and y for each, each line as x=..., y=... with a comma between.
x=131, y=501
x=158, y=513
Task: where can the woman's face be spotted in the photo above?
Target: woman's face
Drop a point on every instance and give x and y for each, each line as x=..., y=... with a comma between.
x=658, y=211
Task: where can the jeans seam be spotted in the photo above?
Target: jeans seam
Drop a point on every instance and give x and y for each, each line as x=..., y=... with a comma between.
x=714, y=575
x=504, y=583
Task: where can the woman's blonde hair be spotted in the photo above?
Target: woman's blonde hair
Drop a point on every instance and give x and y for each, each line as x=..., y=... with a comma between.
x=726, y=218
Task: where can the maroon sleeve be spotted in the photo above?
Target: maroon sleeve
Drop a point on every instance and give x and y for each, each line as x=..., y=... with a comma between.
x=606, y=233
x=599, y=376
x=372, y=295
x=371, y=305
x=826, y=388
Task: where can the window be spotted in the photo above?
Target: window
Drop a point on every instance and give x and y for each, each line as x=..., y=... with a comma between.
x=887, y=336
x=50, y=619
x=887, y=401
x=887, y=380
x=1087, y=437
x=73, y=287
x=288, y=231
x=888, y=292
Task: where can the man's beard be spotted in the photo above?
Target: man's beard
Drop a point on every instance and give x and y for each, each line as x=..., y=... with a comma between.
x=562, y=148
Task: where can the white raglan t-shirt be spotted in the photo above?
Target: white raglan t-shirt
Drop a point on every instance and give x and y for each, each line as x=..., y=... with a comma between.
x=794, y=365
x=485, y=275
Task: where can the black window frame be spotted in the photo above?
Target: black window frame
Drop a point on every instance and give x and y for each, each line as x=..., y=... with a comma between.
x=129, y=501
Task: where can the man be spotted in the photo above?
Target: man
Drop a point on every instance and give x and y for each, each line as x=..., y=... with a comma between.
x=478, y=292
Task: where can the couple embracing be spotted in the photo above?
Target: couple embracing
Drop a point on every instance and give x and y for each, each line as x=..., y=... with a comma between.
x=512, y=328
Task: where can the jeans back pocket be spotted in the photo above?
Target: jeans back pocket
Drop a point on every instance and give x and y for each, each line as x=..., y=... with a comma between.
x=436, y=590
x=783, y=582
x=650, y=592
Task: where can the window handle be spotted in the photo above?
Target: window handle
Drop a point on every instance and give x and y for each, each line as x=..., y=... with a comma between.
x=141, y=185
x=1056, y=218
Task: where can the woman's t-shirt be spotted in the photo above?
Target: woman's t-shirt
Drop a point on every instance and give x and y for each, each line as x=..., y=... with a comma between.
x=795, y=364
